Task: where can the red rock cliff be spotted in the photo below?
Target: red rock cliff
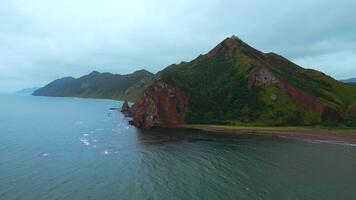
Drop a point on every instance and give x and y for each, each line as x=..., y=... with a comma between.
x=303, y=99
x=161, y=105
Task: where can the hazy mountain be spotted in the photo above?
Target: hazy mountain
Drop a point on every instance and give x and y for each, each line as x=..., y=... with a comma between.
x=27, y=90
x=351, y=81
x=99, y=85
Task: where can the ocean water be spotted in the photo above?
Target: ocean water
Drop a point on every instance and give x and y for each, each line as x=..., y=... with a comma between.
x=70, y=148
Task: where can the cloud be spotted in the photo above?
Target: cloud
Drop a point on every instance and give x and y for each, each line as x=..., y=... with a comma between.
x=43, y=40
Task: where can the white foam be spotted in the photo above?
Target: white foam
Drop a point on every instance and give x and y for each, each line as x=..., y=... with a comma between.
x=84, y=141
x=106, y=152
x=85, y=135
x=331, y=142
x=45, y=154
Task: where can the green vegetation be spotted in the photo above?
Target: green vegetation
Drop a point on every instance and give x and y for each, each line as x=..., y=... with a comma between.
x=217, y=87
x=99, y=85
x=219, y=92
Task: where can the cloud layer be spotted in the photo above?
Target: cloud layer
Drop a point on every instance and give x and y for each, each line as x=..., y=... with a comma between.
x=43, y=40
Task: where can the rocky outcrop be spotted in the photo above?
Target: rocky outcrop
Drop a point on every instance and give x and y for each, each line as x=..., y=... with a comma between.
x=261, y=77
x=161, y=105
x=125, y=109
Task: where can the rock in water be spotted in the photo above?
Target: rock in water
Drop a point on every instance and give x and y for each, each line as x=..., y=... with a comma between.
x=161, y=105
x=125, y=109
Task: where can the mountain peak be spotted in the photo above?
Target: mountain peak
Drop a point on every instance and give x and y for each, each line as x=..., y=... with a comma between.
x=234, y=38
x=94, y=73
x=142, y=71
x=234, y=47
x=235, y=42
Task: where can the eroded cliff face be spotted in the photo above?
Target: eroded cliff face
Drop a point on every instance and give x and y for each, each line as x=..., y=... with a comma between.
x=261, y=77
x=307, y=102
x=301, y=98
x=161, y=105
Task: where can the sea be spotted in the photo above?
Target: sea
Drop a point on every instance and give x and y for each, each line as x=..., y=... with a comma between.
x=54, y=148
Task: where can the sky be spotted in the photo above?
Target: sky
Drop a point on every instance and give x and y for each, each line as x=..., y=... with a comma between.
x=42, y=40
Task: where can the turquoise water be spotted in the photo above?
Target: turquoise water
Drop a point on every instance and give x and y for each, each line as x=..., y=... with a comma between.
x=69, y=148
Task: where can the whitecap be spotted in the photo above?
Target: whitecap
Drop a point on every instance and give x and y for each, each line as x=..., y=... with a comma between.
x=85, y=135
x=45, y=154
x=106, y=152
x=84, y=141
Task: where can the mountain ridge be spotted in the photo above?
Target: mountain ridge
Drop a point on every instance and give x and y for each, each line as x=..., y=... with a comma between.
x=351, y=81
x=99, y=85
x=236, y=83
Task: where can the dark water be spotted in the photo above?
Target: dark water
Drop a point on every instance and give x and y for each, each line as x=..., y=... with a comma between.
x=68, y=148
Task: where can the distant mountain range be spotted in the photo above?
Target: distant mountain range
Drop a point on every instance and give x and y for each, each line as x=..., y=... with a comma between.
x=350, y=81
x=99, y=85
x=237, y=84
x=27, y=90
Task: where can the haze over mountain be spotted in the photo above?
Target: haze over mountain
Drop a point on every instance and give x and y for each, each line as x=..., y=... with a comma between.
x=99, y=85
x=235, y=83
x=350, y=80
x=27, y=90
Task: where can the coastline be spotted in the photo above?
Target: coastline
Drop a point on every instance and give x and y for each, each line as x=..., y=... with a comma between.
x=337, y=135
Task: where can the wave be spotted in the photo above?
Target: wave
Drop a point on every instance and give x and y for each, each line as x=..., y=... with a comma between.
x=85, y=141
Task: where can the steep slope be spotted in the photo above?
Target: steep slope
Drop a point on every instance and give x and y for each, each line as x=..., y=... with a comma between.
x=99, y=85
x=236, y=83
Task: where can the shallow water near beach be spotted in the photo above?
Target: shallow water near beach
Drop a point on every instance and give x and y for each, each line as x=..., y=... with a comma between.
x=71, y=148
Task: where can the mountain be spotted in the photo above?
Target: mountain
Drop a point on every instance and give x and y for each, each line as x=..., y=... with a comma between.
x=99, y=85
x=351, y=81
x=27, y=90
x=235, y=83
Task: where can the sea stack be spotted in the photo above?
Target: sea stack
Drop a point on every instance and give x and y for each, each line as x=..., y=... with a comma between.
x=125, y=109
x=161, y=105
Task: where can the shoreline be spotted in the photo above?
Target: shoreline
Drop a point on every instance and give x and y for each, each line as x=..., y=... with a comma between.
x=337, y=135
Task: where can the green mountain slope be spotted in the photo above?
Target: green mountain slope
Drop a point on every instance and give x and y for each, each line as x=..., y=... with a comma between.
x=235, y=83
x=99, y=85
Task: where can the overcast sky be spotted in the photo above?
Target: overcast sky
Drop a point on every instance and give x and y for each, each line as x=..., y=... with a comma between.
x=41, y=40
